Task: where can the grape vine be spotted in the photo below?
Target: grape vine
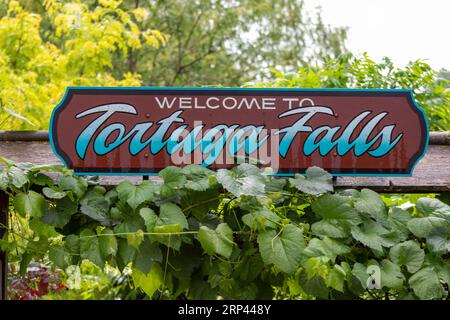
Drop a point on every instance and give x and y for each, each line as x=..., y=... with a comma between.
x=234, y=234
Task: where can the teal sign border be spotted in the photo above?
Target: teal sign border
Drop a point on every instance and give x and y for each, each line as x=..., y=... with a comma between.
x=191, y=89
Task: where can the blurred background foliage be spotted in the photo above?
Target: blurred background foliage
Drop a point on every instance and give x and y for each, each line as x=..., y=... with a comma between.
x=431, y=88
x=48, y=45
x=45, y=47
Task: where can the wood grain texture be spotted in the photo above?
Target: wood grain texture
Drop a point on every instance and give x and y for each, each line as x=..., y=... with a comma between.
x=440, y=138
x=432, y=174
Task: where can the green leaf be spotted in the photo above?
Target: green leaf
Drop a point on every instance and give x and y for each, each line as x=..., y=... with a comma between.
x=433, y=207
x=174, y=179
x=97, y=209
x=337, y=214
x=316, y=181
x=426, y=285
x=359, y=271
x=316, y=248
x=370, y=202
x=327, y=248
x=407, y=254
x=316, y=266
x=24, y=166
x=4, y=181
x=72, y=244
x=25, y=260
x=126, y=252
x=92, y=194
x=60, y=214
x=77, y=185
x=275, y=185
x=135, y=239
x=249, y=268
x=421, y=227
x=170, y=213
x=111, y=196
x=331, y=228
x=398, y=219
x=31, y=203
x=150, y=282
x=199, y=203
x=90, y=248
x=108, y=243
x=132, y=224
x=284, y=250
x=372, y=234
x=149, y=253
x=336, y=278
x=42, y=179
x=336, y=247
x=59, y=256
x=116, y=214
x=7, y=162
x=136, y=195
x=42, y=229
x=38, y=247
x=201, y=290
x=244, y=179
x=198, y=177
x=66, y=206
x=440, y=266
x=56, y=168
x=438, y=241
x=72, y=247
x=53, y=194
x=149, y=217
x=17, y=177
x=54, y=218
x=185, y=261
x=219, y=241
x=314, y=286
x=261, y=218
x=391, y=275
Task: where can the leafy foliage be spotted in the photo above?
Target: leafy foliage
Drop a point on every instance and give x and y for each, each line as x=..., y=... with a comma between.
x=38, y=281
x=243, y=235
x=347, y=71
x=87, y=281
x=229, y=43
x=60, y=44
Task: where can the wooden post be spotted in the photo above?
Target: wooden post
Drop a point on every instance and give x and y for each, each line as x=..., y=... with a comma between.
x=4, y=205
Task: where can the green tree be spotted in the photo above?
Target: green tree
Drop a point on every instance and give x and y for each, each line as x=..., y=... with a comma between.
x=222, y=42
x=75, y=48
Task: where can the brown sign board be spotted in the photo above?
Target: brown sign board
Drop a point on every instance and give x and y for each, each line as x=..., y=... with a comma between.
x=103, y=131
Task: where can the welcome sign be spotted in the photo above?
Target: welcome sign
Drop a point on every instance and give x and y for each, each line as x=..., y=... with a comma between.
x=143, y=130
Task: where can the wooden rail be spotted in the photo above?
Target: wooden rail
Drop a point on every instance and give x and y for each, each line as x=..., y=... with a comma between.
x=432, y=174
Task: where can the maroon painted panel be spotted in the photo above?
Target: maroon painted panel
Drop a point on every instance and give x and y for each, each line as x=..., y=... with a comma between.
x=143, y=130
